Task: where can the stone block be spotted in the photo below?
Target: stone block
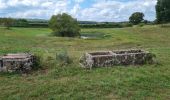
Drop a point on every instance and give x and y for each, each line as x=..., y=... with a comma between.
x=20, y=62
x=112, y=58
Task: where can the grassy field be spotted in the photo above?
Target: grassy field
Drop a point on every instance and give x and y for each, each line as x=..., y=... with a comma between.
x=148, y=82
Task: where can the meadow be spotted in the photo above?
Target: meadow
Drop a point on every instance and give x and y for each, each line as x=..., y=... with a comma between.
x=151, y=82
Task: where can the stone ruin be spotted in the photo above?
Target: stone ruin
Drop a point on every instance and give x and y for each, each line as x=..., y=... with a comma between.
x=112, y=58
x=21, y=62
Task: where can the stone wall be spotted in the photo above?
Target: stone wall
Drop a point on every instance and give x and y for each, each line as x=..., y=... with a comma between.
x=1, y=64
x=21, y=62
x=111, y=58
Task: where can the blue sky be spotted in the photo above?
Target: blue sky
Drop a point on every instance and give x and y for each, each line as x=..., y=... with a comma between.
x=90, y=10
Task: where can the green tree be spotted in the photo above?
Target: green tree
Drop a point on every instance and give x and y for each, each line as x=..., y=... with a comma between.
x=20, y=23
x=136, y=18
x=64, y=25
x=163, y=11
x=7, y=22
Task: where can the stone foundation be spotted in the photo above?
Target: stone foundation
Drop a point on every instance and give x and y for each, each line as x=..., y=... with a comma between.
x=111, y=58
x=21, y=62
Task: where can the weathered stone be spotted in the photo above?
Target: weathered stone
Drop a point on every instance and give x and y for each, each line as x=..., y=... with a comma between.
x=1, y=62
x=111, y=58
x=21, y=62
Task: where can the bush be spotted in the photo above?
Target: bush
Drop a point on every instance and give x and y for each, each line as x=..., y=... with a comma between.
x=64, y=25
x=37, y=62
x=141, y=24
x=63, y=58
x=20, y=23
x=7, y=22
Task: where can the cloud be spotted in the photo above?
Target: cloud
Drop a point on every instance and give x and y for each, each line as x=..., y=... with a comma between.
x=33, y=8
x=2, y=5
x=109, y=10
x=76, y=10
x=100, y=10
x=79, y=1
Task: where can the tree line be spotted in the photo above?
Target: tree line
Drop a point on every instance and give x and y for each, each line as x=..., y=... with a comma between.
x=11, y=22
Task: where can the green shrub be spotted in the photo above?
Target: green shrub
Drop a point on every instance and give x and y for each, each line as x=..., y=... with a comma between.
x=141, y=24
x=64, y=25
x=63, y=58
x=37, y=62
x=150, y=59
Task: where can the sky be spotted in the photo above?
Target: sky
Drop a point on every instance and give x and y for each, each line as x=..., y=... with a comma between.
x=85, y=10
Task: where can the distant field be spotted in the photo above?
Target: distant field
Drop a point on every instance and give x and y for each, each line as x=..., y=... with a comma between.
x=150, y=82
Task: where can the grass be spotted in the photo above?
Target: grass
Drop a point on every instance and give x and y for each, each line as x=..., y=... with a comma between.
x=73, y=82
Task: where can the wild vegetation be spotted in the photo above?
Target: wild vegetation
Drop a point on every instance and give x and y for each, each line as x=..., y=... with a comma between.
x=71, y=81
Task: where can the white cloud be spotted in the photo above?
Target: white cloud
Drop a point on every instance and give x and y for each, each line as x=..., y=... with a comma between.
x=75, y=11
x=109, y=10
x=2, y=4
x=23, y=2
x=30, y=14
x=79, y=1
x=34, y=8
x=101, y=10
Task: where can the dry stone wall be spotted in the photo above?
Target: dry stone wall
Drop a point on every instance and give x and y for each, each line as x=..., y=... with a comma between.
x=111, y=58
x=21, y=62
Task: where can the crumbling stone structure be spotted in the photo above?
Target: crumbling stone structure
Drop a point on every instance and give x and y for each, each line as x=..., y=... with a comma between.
x=111, y=58
x=21, y=62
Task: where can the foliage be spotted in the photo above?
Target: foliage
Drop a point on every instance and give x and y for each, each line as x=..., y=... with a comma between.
x=64, y=25
x=37, y=64
x=114, y=25
x=20, y=23
x=141, y=24
x=136, y=18
x=7, y=22
x=63, y=58
x=163, y=11
x=107, y=25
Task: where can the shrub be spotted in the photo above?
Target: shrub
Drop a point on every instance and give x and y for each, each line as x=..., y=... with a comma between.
x=20, y=23
x=141, y=24
x=7, y=22
x=64, y=25
x=63, y=58
x=37, y=62
x=151, y=59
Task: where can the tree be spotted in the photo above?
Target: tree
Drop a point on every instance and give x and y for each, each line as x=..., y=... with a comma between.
x=163, y=11
x=20, y=23
x=7, y=22
x=64, y=25
x=136, y=18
